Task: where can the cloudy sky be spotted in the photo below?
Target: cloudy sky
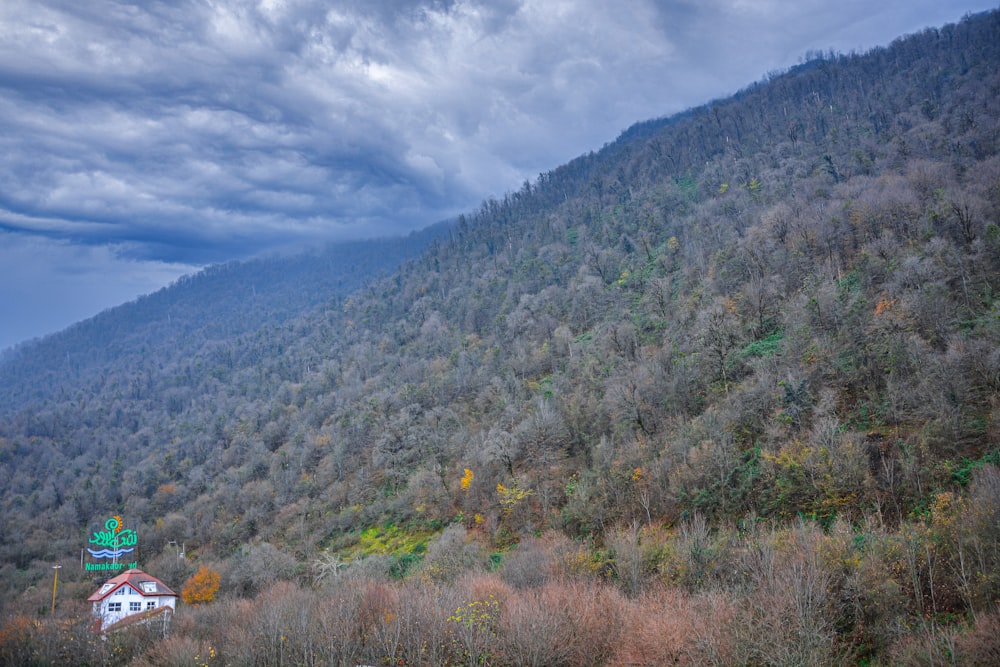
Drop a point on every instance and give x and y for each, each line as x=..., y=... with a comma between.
x=141, y=140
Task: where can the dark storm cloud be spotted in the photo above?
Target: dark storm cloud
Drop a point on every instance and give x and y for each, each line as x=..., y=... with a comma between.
x=196, y=131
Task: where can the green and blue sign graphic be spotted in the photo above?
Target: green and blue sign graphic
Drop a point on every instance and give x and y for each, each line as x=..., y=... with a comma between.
x=113, y=543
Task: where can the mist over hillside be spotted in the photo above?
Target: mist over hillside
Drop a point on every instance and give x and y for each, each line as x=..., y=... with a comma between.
x=738, y=368
x=220, y=303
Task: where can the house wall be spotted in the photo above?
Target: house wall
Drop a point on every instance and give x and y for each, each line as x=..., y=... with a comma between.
x=123, y=603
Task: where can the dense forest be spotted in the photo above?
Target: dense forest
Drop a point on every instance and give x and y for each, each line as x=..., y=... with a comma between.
x=723, y=392
x=223, y=303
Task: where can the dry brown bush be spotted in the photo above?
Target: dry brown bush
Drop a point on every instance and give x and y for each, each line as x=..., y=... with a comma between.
x=533, y=631
x=425, y=627
x=597, y=617
x=537, y=560
x=473, y=624
x=867, y=603
x=335, y=623
x=16, y=640
x=669, y=626
x=576, y=623
x=980, y=647
x=630, y=571
x=378, y=621
x=786, y=615
x=178, y=651
x=278, y=626
x=929, y=645
x=452, y=554
x=480, y=586
x=235, y=634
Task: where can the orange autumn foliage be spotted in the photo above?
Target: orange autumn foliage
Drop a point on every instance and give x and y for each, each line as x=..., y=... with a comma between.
x=201, y=587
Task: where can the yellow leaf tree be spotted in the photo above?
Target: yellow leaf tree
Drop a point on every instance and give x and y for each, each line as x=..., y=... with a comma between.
x=201, y=587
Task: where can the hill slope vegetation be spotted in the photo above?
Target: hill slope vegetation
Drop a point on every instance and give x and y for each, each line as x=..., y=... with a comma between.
x=740, y=364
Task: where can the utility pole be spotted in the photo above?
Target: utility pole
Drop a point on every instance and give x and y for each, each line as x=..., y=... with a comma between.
x=179, y=548
x=55, y=585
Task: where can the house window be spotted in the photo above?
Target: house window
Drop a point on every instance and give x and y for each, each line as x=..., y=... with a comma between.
x=134, y=606
x=114, y=607
x=149, y=586
x=151, y=604
x=121, y=591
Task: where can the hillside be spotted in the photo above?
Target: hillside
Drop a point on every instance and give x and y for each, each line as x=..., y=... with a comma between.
x=218, y=305
x=741, y=364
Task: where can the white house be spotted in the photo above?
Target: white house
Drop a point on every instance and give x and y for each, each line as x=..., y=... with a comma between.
x=131, y=597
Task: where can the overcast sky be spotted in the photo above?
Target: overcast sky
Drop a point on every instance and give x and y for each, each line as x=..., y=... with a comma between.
x=142, y=140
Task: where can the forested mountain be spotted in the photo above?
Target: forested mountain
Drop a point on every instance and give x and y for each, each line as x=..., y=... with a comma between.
x=218, y=305
x=723, y=392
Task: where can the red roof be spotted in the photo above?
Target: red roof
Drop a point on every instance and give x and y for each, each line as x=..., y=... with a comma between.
x=135, y=579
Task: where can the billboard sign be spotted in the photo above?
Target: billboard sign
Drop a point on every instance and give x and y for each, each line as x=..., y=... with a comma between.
x=113, y=548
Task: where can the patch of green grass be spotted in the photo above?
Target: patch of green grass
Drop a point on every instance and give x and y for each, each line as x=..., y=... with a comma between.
x=765, y=347
x=389, y=540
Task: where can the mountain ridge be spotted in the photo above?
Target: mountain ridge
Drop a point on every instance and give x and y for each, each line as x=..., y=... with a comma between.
x=289, y=286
